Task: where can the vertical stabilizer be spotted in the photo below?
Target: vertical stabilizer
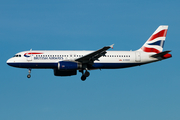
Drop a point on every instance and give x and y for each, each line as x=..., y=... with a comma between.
x=156, y=42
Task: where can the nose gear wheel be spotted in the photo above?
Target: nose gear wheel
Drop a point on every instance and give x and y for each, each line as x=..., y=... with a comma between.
x=29, y=75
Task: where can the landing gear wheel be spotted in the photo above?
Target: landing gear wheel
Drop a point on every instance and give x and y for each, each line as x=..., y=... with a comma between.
x=83, y=78
x=28, y=76
x=87, y=74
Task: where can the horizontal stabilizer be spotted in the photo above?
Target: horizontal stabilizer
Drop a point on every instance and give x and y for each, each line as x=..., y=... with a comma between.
x=160, y=54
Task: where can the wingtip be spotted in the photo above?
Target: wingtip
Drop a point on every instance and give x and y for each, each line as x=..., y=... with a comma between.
x=112, y=46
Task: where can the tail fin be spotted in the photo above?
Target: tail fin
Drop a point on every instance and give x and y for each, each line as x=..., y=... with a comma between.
x=156, y=42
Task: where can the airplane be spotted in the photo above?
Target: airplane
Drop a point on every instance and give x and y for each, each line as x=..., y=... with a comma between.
x=67, y=63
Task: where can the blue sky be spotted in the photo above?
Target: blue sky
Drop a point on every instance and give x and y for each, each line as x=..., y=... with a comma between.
x=147, y=92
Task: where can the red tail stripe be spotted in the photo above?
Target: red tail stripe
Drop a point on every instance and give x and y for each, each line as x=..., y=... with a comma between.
x=145, y=49
x=162, y=33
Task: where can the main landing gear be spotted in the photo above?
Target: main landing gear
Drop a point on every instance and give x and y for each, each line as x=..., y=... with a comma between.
x=29, y=75
x=84, y=75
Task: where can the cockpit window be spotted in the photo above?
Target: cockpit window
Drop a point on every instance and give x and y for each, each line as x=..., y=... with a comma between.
x=17, y=56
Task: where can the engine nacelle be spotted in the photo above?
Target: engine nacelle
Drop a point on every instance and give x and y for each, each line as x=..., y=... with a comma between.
x=64, y=73
x=69, y=65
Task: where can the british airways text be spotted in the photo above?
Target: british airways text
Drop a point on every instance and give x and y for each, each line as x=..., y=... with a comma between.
x=48, y=58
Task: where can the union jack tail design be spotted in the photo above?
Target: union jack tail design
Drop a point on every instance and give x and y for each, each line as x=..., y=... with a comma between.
x=156, y=42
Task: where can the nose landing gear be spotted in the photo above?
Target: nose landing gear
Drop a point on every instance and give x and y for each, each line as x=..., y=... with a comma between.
x=29, y=75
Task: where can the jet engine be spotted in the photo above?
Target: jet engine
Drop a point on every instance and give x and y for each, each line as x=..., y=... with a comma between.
x=69, y=65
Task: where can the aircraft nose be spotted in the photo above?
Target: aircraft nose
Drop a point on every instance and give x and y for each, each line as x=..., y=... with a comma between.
x=9, y=61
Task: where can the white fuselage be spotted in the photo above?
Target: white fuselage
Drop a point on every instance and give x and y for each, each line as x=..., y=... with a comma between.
x=50, y=59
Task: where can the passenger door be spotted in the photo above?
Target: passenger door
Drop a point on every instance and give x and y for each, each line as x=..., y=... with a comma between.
x=137, y=57
x=30, y=56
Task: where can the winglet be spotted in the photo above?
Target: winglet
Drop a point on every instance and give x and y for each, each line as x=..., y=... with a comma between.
x=111, y=46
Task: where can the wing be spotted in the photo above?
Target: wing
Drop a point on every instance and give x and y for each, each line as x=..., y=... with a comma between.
x=90, y=58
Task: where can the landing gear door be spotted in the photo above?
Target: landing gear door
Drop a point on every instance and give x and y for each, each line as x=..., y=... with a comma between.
x=137, y=57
